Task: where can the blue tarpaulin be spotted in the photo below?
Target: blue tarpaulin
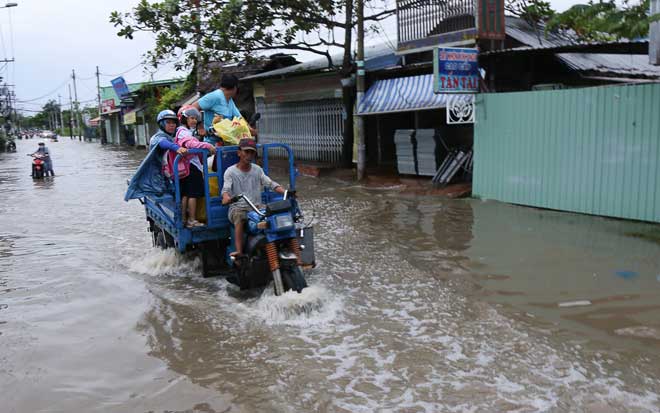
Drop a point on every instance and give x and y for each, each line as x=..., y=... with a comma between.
x=149, y=178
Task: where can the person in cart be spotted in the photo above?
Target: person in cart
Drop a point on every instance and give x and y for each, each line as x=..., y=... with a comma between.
x=218, y=105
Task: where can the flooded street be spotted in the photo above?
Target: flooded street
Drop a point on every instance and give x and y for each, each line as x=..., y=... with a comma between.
x=418, y=304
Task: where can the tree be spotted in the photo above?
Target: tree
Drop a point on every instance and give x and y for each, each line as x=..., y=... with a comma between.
x=601, y=21
x=51, y=111
x=192, y=32
x=604, y=21
x=236, y=29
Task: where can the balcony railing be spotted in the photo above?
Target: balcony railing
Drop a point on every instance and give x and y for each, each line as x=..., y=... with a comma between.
x=419, y=19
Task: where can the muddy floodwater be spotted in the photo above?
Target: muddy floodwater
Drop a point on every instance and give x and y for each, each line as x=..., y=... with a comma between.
x=418, y=304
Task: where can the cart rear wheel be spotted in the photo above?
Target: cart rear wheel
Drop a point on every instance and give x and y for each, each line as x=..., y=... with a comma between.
x=159, y=238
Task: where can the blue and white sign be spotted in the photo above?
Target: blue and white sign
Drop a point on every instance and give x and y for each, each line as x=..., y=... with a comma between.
x=455, y=70
x=120, y=87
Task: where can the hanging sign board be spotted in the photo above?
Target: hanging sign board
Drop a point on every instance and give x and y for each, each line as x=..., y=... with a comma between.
x=107, y=105
x=120, y=86
x=455, y=70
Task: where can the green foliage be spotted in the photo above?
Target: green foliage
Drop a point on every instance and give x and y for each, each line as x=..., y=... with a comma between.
x=157, y=98
x=532, y=11
x=601, y=21
x=237, y=29
x=604, y=21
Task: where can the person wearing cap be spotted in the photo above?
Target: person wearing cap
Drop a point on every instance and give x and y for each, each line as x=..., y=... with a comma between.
x=43, y=151
x=219, y=105
x=248, y=179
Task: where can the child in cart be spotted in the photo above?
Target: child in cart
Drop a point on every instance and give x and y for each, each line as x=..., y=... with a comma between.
x=191, y=171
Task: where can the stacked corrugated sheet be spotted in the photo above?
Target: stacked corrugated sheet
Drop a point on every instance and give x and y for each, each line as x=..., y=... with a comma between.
x=405, y=151
x=426, y=164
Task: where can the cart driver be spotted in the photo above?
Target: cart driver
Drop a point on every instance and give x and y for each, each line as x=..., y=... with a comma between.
x=245, y=178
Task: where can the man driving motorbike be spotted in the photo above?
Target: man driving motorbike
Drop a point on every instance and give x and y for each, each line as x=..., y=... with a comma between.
x=248, y=179
x=44, y=153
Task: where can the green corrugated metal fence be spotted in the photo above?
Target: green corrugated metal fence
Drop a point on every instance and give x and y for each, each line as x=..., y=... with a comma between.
x=591, y=150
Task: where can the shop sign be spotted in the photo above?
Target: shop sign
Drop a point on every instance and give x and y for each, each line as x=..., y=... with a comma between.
x=120, y=86
x=455, y=70
x=130, y=118
x=107, y=105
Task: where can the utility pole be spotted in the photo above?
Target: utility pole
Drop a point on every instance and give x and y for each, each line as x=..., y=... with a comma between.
x=75, y=95
x=361, y=147
x=654, y=35
x=59, y=102
x=348, y=85
x=101, y=130
x=70, y=114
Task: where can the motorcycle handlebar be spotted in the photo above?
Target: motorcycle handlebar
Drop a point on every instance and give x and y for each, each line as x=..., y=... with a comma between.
x=241, y=196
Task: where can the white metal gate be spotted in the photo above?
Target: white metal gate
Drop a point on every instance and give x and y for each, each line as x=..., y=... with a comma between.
x=313, y=129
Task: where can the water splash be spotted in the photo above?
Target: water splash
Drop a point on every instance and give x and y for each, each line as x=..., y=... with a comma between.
x=157, y=262
x=313, y=306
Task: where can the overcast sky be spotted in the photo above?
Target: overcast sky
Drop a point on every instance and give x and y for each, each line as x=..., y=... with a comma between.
x=49, y=38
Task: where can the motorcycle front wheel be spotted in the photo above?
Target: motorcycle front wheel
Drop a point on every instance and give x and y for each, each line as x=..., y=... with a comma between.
x=293, y=279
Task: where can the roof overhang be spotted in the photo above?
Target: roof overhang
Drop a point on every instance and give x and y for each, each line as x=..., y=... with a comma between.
x=405, y=94
x=628, y=47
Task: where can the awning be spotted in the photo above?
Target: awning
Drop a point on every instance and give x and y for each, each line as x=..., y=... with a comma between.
x=95, y=121
x=404, y=94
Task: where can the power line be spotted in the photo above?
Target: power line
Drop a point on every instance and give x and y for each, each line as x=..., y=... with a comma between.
x=47, y=94
x=122, y=73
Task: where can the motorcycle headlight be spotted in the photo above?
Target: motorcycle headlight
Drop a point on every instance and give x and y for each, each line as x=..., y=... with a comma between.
x=283, y=221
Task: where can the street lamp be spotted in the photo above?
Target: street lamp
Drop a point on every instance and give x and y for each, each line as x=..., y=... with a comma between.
x=9, y=5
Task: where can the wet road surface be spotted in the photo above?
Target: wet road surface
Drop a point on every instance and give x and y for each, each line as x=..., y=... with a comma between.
x=418, y=304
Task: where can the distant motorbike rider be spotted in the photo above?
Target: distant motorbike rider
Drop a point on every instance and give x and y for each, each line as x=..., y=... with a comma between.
x=44, y=153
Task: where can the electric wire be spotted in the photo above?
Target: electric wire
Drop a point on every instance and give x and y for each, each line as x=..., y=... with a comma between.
x=47, y=94
x=122, y=73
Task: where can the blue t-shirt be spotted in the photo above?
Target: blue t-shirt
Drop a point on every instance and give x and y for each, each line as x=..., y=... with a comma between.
x=215, y=103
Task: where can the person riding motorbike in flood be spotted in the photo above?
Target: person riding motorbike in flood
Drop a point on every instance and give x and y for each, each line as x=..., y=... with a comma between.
x=44, y=153
x=245, y=178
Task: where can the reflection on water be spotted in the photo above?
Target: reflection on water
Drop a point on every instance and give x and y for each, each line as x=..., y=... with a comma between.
x=540, y=262
x=418, y=304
